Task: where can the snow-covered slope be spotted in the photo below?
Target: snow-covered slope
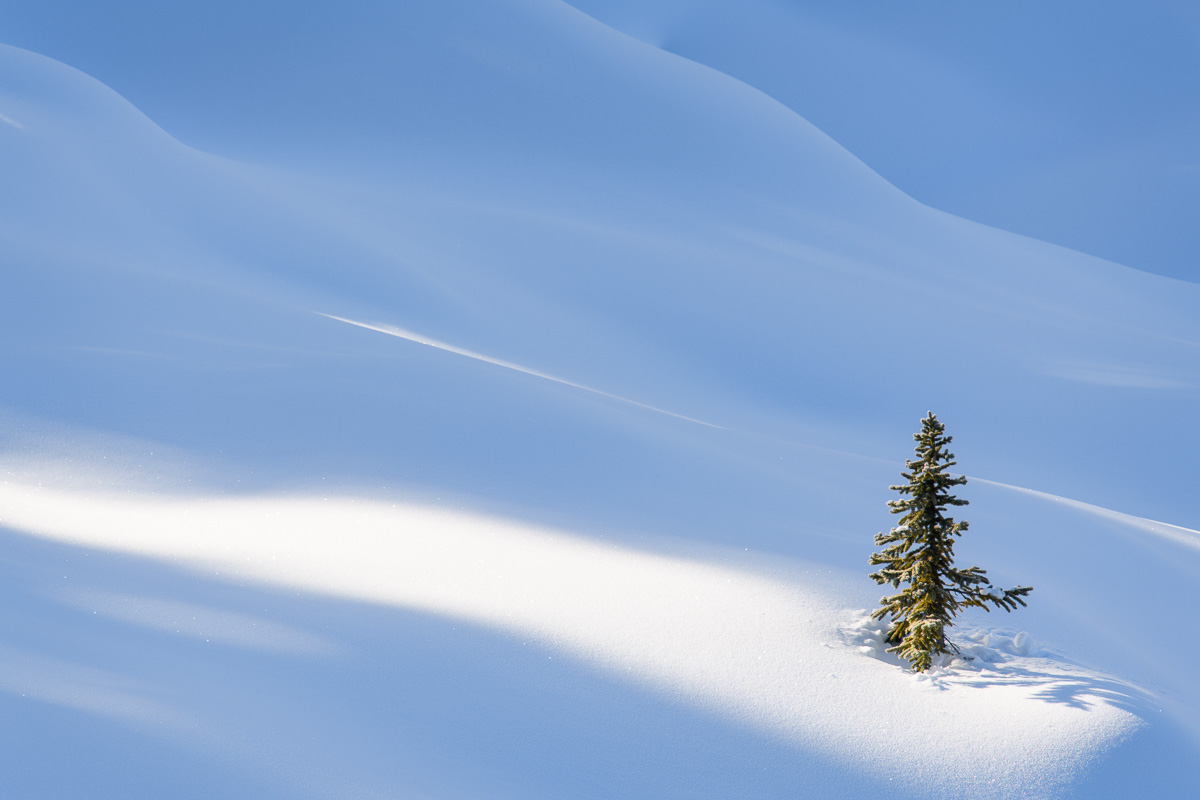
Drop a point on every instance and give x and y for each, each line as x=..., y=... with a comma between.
x=1025, y=117
x=507, y=410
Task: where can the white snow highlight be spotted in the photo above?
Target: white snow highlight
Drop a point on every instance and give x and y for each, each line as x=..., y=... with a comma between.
x=400, y=333
x=766, y=652
x=1164, y=530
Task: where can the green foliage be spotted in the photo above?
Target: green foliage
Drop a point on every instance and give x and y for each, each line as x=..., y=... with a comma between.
x=918, y=557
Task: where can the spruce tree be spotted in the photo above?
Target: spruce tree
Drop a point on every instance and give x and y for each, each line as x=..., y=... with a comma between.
x=918, y=557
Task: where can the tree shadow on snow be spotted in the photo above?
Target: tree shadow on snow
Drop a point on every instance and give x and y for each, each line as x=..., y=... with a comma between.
x=1157, y=758
x=988, y=658
x=1058, y=682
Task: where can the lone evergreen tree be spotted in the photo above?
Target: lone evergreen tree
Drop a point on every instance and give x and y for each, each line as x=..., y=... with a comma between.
x=918, y=557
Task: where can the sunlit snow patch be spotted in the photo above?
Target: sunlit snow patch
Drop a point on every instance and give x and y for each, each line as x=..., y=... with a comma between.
x=766, y=651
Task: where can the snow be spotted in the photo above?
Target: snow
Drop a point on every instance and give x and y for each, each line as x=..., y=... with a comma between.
x=483, y=403
x=756, y=648
x=1079, y=134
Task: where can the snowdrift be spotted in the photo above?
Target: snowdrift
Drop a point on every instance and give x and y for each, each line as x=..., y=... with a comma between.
x=466, y=400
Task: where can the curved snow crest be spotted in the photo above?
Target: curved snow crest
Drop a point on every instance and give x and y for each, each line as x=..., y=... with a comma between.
x=41, y=94
x=400, y=333
x=764, y=650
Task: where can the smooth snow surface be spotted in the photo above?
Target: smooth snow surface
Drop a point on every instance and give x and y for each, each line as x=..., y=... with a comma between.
x=464, y=399
x=1073, y=122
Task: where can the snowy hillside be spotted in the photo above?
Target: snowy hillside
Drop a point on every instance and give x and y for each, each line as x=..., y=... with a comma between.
x=469, y=400
x=1072, y=122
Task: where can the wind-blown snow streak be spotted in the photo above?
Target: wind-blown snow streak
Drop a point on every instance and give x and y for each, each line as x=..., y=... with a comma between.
x=7, y=120
x=82, y=688
x=1164, y=530
x=391, y=330
x=199, y=622
x=769, y=652
x=1119, y=375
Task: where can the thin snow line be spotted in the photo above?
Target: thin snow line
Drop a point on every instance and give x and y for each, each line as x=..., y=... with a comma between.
x=1176, y=533
x=391, y=330
x=9, y=120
